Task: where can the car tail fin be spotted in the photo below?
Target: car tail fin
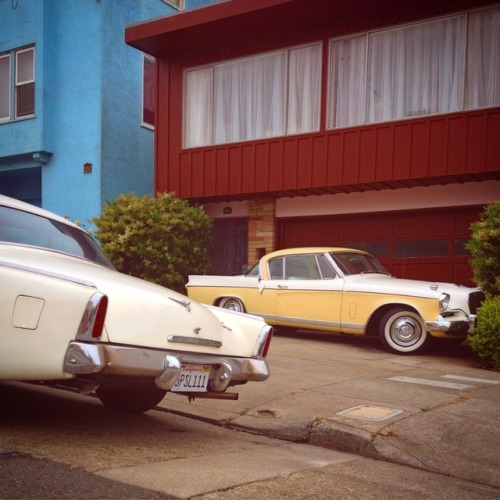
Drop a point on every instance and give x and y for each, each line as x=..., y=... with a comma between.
x=92, y=322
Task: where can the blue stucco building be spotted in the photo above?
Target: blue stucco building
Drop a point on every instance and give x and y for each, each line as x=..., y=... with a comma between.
x=72, y=126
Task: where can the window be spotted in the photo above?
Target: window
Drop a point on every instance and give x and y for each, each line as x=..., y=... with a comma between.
x=178, y=4
x=21, y=80
x=148, y=90
x=378, y=249
x=483, y=55
x=439, y=66
x=327, y=271
x=25, y=82
x=420, y=248
x=269, y=95
x=276, y=268
x=301, y=267
x=4, y=87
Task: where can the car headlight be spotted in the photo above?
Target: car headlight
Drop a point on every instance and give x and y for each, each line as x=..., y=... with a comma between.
x=444, y=300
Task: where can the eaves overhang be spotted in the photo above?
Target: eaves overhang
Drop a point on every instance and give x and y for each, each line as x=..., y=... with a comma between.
x=161, y=36
x=189, y=29
x=352, y=188
x=25, y=160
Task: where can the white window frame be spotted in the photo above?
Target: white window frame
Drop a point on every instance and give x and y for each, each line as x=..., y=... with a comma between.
x=21, y=83
x=6, y=91
x=149, y=59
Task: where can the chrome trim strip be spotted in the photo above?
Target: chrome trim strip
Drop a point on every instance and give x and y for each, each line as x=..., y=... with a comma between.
x=312, y=322
x=183, y=303
x=50, y=274
x=194, y=340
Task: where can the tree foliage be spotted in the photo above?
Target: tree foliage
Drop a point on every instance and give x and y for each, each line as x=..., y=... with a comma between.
x=485, y=341
x=484, y=247
x=160, y=239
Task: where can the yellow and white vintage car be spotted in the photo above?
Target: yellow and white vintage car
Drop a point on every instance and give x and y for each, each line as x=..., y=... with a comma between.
x=345, y=291
x=69, y=319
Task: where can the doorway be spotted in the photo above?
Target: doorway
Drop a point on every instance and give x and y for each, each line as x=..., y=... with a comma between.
x=229, y=249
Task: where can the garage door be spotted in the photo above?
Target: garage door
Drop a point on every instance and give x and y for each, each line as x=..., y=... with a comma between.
x=424, y=244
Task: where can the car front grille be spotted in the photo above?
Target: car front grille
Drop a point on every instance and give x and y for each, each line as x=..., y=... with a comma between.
x=475, y=299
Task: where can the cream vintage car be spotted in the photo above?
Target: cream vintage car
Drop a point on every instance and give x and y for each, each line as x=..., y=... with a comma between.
x=69, y=319
x=345, y=291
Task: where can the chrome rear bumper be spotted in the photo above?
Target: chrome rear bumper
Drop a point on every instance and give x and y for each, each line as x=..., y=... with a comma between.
x=162, y=366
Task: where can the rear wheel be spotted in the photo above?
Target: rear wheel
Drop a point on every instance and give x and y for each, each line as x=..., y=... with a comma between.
x=130, y=400
x=232, y=304
x=402, y=331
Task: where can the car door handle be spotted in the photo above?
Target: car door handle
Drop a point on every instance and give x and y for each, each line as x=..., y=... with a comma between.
x=282, y=287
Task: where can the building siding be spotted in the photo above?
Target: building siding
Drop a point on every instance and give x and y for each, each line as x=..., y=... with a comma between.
x=439, y=149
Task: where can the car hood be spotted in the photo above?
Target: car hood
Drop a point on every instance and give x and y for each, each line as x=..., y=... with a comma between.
x=381, y=283
x=142, y=313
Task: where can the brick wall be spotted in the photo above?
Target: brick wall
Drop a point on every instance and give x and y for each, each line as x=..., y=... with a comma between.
x=261, y=228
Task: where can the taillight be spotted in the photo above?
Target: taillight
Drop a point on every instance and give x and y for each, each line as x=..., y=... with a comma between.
x=265, y=341
x=92, y=322
x=99, y=317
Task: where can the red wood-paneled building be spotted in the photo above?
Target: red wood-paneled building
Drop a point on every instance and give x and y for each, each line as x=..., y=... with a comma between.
x=368, y=123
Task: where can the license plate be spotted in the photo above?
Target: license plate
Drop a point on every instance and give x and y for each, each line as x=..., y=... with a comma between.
x=193, y=378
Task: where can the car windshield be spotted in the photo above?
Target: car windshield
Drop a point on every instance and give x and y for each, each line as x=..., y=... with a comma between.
x=357, y=263
x=17, y=226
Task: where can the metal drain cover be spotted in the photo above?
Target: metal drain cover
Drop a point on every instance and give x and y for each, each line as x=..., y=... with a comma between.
x=368, y=412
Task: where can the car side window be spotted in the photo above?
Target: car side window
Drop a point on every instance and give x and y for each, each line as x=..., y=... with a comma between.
x=327, y=270
x=301, y=267
x=276, y=268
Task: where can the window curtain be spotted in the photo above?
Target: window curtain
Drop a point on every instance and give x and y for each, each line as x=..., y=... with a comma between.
x=483, y=60
x=198, y=107
x=347, y=82
x=304, y=89
x=269, y=95
x=249, y=98
x=416, y=70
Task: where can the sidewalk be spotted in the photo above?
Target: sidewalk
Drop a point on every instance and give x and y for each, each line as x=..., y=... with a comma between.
x=437, y=412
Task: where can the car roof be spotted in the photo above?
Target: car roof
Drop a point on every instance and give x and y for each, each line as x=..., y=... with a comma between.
x=27, y=207
x=307, y=250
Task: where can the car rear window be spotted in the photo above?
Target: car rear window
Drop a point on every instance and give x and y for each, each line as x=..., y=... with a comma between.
x=18, y=226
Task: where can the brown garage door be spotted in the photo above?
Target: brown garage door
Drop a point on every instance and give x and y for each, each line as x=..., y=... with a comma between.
x=424, y=244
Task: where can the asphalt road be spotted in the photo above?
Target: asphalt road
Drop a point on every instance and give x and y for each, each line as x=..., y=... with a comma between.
x=55, y=444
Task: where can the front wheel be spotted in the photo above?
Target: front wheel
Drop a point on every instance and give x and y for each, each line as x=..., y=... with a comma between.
x=402, y=331
x=232, y=304
x=130, y=400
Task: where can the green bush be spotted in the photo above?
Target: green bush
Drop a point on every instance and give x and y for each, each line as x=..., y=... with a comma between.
x=160, y=239
x=484, y=247
x=485, y=341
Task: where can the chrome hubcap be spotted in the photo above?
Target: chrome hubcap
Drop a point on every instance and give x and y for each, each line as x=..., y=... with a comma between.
x=232, y=305
x=406, y=331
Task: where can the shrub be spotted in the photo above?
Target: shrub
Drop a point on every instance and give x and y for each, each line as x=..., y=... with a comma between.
x=160, y=239
x=484, y=247
x=485, y=341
